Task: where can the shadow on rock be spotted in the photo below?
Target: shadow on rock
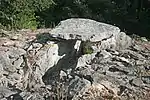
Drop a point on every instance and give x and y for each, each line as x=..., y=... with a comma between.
x=68, y=61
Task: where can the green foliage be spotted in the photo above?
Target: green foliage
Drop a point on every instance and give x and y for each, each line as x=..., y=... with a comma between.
x=130, y=15
x=25, y=20
x=18, y=14
x=43, y=38
x=87, y=47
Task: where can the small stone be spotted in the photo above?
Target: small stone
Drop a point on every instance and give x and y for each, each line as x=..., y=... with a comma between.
x=62, y=74
x=144, y=39
x=139, y=62
x=137, y=82
x=146, y=79
x=14, y=37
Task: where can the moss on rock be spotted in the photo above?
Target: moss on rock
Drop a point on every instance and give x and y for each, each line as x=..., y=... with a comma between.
x=87, y=47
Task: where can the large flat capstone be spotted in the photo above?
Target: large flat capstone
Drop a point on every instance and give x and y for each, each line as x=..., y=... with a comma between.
x=84, y=29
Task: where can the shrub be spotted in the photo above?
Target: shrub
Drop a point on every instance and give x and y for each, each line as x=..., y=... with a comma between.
x=87, y=47
x=18, y=14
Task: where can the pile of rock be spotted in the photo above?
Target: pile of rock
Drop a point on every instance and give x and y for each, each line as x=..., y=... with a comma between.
x=52, y=65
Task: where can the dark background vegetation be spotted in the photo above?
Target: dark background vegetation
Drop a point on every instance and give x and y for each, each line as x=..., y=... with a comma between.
x=132, y=16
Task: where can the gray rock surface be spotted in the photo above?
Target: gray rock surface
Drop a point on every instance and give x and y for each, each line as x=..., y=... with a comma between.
x=84, y=29
x=104, y=35
x=5, y=92
x=52, y=65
